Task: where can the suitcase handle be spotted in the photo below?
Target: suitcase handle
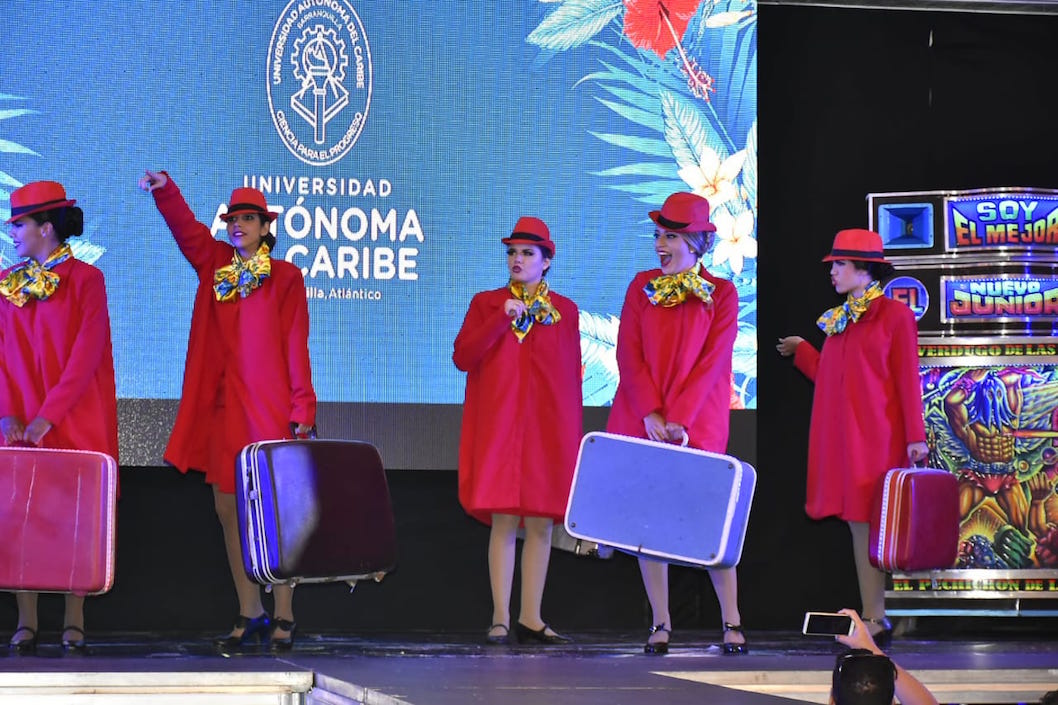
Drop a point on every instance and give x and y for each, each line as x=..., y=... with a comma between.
x=294, y=431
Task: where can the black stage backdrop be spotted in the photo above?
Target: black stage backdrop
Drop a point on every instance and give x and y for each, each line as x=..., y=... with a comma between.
x=851, y=101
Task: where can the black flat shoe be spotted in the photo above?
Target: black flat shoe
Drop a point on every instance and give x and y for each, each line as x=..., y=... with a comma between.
x=74, y=647
x=258, y=628
x=24, y=647
x=286, y=643
x=526, y=635
x=731, y=647
x=883, y=638
x=498, y=639
x=657, y=648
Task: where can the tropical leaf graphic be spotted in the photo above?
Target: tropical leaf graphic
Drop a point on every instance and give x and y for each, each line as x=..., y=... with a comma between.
x=14, y=148
x=573, y=23
x=643, y=145
x=690, y=124
x=598, y=347
x=749, y=169
x=9, y=183
x=729, y=54
x=726, y=19
x=83, y=247
x=685, y=131
x=86, y=250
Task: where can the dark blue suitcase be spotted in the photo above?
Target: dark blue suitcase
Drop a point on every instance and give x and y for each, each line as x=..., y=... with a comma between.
x=659, y=500
x=314, y=511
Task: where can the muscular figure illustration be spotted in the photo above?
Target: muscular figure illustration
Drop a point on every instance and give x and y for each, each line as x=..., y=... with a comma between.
x=983, y=410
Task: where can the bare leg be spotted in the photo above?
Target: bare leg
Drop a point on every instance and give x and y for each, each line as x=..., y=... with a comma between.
x=501, y=568
x=872, y=580
x=27, y=614
x=725, y=583
x=656, y=582
x=247, y=591
x=284, y=608
x=536, y=554
x=74, y=617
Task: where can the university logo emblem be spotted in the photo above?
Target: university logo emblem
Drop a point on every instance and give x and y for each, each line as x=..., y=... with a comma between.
x=319, y=79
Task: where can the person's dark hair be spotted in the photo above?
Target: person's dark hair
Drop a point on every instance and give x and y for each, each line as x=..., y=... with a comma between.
x=700, y=241
x=68, y=221
x=879, y=271
x=268, y=238
x=863, y=678
x=1049, y=698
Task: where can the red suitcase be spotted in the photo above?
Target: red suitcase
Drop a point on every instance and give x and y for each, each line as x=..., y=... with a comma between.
x=915, y=522
x=58, y=515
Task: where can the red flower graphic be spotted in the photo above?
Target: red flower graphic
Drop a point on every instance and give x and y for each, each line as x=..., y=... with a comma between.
x=659, y=25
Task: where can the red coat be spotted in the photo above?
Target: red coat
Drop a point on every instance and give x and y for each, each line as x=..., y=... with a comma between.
x=56, y=362
x=522, y=414
x=247, y=373
x=867, y=409
x=676, y=361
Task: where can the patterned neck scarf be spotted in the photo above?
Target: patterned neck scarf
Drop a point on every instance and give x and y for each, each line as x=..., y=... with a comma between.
x=32, y=279
x=540, y=309
x=672, y=289
x=834, y=320
x=242, y=276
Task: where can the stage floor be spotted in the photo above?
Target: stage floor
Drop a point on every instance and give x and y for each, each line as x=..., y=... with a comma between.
x=420, y=669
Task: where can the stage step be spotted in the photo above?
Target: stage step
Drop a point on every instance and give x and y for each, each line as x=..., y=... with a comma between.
x=217, y=687
x=334, y=691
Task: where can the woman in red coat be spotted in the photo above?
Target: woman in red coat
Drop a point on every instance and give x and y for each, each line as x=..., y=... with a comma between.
x=56, y=363
x=674, y=347
x=522, y=418
x=867, y=371
x=247, y=376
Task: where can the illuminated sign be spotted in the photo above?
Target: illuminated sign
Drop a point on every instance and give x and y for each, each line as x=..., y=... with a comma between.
x=987, y=585
x=999, y=298
x=1002, y=220
x=910, y=291
x=993, y=349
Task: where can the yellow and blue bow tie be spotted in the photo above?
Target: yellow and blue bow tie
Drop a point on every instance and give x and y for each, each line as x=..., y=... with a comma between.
x=242, y=276
x=835, y=320
x=32, y=279
x=539, y=310
x=672, y=289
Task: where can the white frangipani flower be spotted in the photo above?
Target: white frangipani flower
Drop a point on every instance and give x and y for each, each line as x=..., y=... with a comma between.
x=734, y=239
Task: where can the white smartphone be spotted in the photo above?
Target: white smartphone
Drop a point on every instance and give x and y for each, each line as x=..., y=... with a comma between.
x=827, y=624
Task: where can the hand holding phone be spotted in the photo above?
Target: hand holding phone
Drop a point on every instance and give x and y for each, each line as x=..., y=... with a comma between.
x=827, y=624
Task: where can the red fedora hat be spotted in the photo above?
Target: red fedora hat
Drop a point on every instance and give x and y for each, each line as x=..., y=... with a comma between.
x=531, y=231
x=36, y=197
x=857, y=244
x=247, y=200
x=684, y=212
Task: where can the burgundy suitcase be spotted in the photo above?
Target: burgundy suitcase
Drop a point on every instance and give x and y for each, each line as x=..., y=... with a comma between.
x=314, y=511
x=58, y=518
x=915, y=522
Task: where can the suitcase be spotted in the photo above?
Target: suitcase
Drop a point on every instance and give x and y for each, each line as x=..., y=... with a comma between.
x=314, y=511
x=915, y=522
x=658, y=500
x=58, y=520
